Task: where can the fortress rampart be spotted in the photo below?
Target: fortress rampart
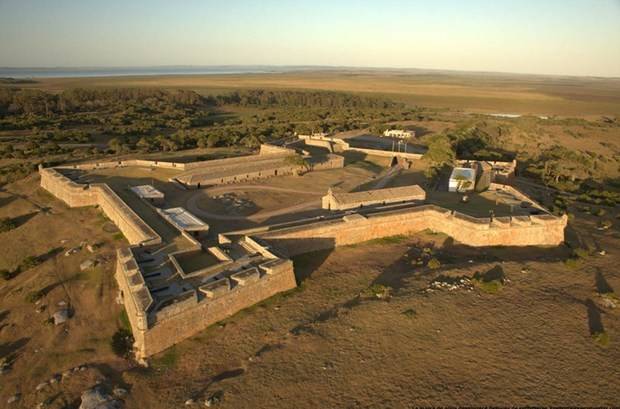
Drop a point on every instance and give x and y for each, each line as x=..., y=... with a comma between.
x=338, y=144
x=157, y=327
x=535, y=230
x=76, y=195
x=169, y=305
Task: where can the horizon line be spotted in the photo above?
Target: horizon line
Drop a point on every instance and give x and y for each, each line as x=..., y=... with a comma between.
x=287, y=66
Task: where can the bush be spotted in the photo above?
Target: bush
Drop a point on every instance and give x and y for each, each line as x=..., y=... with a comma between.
x=433, y=263
x=6, y=274
x=30, y=262
x=601, y=338
x=378, y=291
x=581, y=253
x=34, y=296
x=6, y=224
x=572, y=262
x=605, y=224
x=122, y=343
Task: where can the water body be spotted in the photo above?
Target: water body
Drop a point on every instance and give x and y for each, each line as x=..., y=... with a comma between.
x=61, y=72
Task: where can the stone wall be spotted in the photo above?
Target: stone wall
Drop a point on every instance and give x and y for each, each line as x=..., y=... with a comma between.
x=77, y=195
x=338, y=144
x=542, y=230
x=198, y=310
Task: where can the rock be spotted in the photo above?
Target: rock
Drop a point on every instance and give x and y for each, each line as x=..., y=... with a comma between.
x=608, y=302
x=213, y=400
x=87, y=264
x=41, y=386
x=602, y=252
x=72, y=251
x=40, y=308
x=14, y=398
x=61, y=316
x=189, y=402
x=66, y=374
x=97, y=398
x=82, y=368
x=119, y=392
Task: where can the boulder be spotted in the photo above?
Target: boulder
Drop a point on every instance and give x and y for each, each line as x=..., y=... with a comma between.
x=61, y=316
x=87, y=264
x=14, y=398
x=98, y=398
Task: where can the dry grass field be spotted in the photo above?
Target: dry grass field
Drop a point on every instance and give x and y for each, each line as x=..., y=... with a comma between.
x=362, y=330
x=471, y=92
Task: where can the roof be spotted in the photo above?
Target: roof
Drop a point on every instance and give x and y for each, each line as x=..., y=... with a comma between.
x=147, y=192
x=413, y=192
x=466, y=173
x=183, y=219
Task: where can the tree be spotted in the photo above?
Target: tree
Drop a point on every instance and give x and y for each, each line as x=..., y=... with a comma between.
x=116, y=145
x=440, y=153
x=144, y=144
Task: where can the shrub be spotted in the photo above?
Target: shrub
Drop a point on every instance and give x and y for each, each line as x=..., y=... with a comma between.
x=581, y=253
x=6, y=274
x=378, y=291
x=490, y=287
x=572, y=262
x=598, y=212
x=491, y=281
x=601, y=338
x=410, y=313
x=122, y=343
x=34, y=296
x=7, y=224
x=30, y=262
x=434, y=263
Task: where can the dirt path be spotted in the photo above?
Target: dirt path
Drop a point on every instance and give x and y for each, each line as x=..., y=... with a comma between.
x=229, y=188
x=192, y=203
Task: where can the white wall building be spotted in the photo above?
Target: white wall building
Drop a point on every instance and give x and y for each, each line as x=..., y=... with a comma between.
x=462, y=180
x=398, y=133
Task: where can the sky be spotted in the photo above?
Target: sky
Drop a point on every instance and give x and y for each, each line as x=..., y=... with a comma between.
x=566, y=37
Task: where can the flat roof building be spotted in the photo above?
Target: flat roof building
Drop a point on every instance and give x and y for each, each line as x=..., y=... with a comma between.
x=462, y=180
x=148, y=193
x=343, y=201
x=183, y=220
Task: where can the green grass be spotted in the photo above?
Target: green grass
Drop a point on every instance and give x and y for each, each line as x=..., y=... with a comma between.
x=123, y=318
x=409, y=313
x=399, y=238
x=378, y=291
x=167, y=360
x=433, y=263
x=489, y=287
x=601, y=338
x=572, y=262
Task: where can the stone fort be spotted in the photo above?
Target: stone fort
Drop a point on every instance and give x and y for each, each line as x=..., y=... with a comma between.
x=168, y=298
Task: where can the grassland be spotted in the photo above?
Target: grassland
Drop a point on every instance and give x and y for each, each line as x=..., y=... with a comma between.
x=545, y=338
x=472, y=92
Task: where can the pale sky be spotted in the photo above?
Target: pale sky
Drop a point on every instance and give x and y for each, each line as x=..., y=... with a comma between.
x=574, y=37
